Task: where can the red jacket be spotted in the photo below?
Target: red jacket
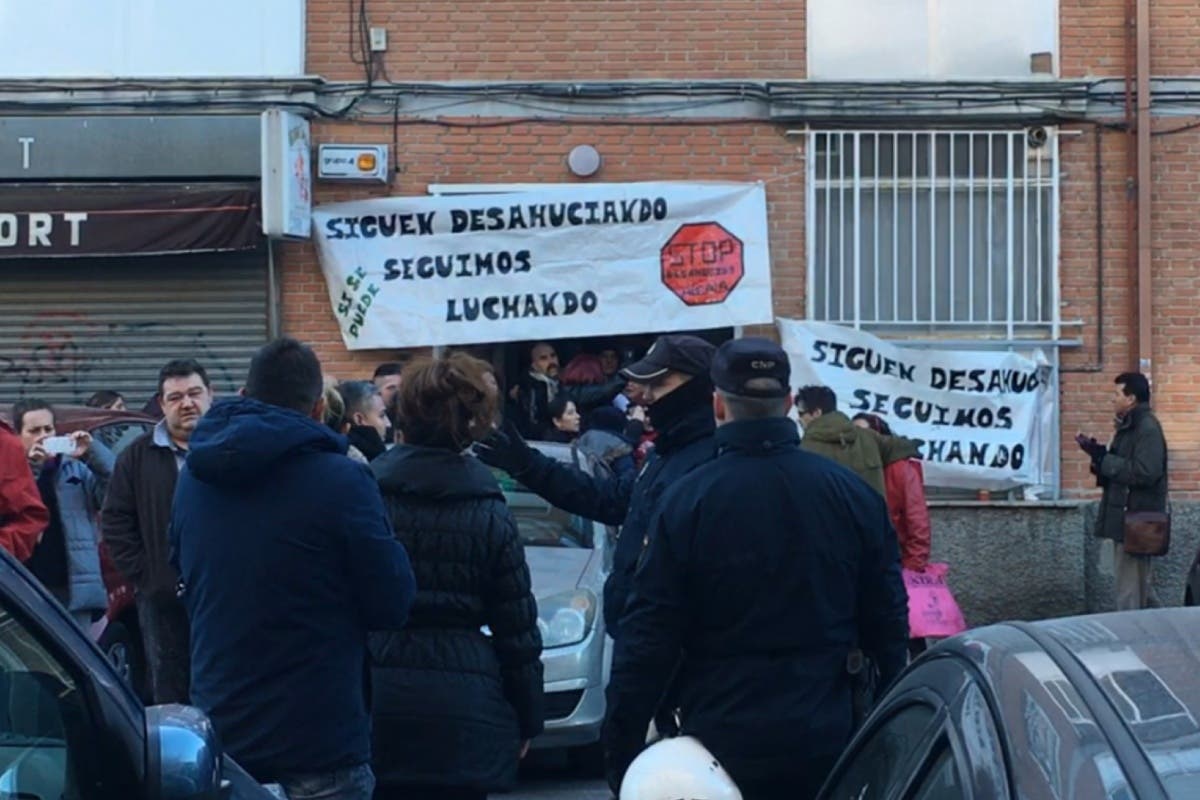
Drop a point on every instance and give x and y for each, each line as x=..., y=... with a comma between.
x=23, y=515
x=905, y=482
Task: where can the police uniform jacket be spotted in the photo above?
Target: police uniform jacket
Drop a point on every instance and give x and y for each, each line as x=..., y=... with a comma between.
x=628, y=499
x=764, y=569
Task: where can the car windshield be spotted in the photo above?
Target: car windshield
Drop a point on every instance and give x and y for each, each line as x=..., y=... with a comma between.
x=118, y=435
x=541, y=524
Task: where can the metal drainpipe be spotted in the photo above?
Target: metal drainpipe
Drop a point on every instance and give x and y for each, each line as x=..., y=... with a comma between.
x=1128, y=120
x=1145, y=309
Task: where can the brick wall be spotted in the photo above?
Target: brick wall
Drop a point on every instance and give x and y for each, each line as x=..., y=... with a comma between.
x=1176, y=242
x=527, y=40
x=1086, y=377
x=566, y=39
x=1176, y=245
x=1092, y=37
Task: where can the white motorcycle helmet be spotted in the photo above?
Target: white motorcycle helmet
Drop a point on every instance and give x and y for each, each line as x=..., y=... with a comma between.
x=675, y=768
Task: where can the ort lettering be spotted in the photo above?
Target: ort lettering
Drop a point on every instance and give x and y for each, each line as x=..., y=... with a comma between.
x=37, y=229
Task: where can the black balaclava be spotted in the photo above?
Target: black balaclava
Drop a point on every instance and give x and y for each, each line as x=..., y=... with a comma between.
x=687, y=399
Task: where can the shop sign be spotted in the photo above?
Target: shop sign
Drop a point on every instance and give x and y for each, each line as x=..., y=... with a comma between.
x=981, y=419
x=286, y=175
x=586, y=260
x=353, y=162
x=71, y=220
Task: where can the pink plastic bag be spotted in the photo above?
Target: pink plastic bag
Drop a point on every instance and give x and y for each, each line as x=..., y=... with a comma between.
x=931, y=607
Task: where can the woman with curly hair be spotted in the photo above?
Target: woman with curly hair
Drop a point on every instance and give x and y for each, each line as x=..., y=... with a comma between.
x=454, y=707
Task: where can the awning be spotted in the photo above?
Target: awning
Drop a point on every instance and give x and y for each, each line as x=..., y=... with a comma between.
x=73, y=220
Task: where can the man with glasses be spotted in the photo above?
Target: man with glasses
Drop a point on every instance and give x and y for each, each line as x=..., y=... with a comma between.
x=134, y=524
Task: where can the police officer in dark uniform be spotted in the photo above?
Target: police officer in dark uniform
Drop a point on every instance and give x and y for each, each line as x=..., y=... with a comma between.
x=674, y=375
x=765, y=571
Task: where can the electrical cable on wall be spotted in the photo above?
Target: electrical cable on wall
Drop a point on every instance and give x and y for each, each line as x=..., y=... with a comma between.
x=1003, y=103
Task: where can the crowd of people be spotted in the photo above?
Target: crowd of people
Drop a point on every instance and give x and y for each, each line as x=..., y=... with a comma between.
x=587, y=405
x=330, y=571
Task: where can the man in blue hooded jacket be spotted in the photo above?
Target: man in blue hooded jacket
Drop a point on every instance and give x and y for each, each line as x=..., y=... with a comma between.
x=287, y=559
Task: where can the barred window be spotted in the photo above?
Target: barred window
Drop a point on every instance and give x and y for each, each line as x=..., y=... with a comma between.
x=934, y=229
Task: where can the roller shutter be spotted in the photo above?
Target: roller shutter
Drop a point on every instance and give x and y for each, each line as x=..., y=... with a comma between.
x=70, y=327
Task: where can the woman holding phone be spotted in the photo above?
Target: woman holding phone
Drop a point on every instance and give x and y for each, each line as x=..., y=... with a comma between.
x=72, y=474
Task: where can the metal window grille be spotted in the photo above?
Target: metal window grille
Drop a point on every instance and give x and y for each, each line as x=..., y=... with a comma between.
x=934, y=230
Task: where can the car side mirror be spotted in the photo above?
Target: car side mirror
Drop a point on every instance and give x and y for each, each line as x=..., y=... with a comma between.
x=182, y=754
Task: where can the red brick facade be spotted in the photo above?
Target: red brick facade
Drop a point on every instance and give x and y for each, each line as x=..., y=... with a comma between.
x=650, y=39
x=557, y=40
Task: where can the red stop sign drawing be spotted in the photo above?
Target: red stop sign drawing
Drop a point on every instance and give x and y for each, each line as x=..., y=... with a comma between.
x=702, y=263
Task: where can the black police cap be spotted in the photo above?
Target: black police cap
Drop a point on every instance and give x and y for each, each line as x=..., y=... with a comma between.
x=688, y=354
x=740, y=364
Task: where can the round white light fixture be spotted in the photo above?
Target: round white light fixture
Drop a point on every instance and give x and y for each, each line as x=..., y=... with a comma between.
x=584, y=160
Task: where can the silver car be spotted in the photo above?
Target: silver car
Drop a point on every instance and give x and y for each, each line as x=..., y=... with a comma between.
x=569, y=558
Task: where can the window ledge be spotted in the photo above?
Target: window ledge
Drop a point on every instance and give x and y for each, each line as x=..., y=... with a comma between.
x=1005, y=504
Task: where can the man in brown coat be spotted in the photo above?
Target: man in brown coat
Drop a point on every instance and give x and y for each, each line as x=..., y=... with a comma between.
x=1132, y=470
x=134, y=523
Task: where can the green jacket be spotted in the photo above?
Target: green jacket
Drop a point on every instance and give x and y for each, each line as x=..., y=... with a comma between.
x=860, y=450
x=1133, y=472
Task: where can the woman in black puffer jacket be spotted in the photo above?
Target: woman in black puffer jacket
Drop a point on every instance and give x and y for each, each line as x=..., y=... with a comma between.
x=454, y=708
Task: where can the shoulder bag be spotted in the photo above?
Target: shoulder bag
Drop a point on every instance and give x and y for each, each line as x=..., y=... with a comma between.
x=1148, y=533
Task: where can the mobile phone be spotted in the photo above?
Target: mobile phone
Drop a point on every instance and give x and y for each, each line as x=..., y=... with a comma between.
x=58, y=445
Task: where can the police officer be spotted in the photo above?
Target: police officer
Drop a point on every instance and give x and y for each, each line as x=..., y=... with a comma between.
x=765, y=570
x=674, y=376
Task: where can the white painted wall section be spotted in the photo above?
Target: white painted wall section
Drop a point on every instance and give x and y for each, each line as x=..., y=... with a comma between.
x=151, y=38
x=929, y=39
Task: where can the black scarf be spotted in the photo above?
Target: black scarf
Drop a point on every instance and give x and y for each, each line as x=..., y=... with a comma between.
x=367, y=440
x=683, y=414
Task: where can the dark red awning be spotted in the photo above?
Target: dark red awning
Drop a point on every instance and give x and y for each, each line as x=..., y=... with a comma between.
x=64, y=220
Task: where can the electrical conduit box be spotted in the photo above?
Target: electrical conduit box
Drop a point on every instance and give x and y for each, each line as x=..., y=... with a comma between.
x=352, y=162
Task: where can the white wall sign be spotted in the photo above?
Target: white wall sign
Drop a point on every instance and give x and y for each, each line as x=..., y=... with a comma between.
x=981, y=417
x=286, y=175
x=353, y=162
x=586, y=260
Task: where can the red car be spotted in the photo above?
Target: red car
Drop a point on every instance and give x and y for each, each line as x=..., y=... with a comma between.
x=117, y=633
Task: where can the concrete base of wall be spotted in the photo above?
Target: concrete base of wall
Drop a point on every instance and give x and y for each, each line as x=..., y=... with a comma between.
x=1039, y=560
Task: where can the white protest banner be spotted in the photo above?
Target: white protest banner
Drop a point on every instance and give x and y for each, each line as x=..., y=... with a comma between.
x=978, y=417
x=586, y=260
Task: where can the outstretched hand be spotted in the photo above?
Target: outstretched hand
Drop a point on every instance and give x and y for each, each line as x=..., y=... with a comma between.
x=507, y=449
